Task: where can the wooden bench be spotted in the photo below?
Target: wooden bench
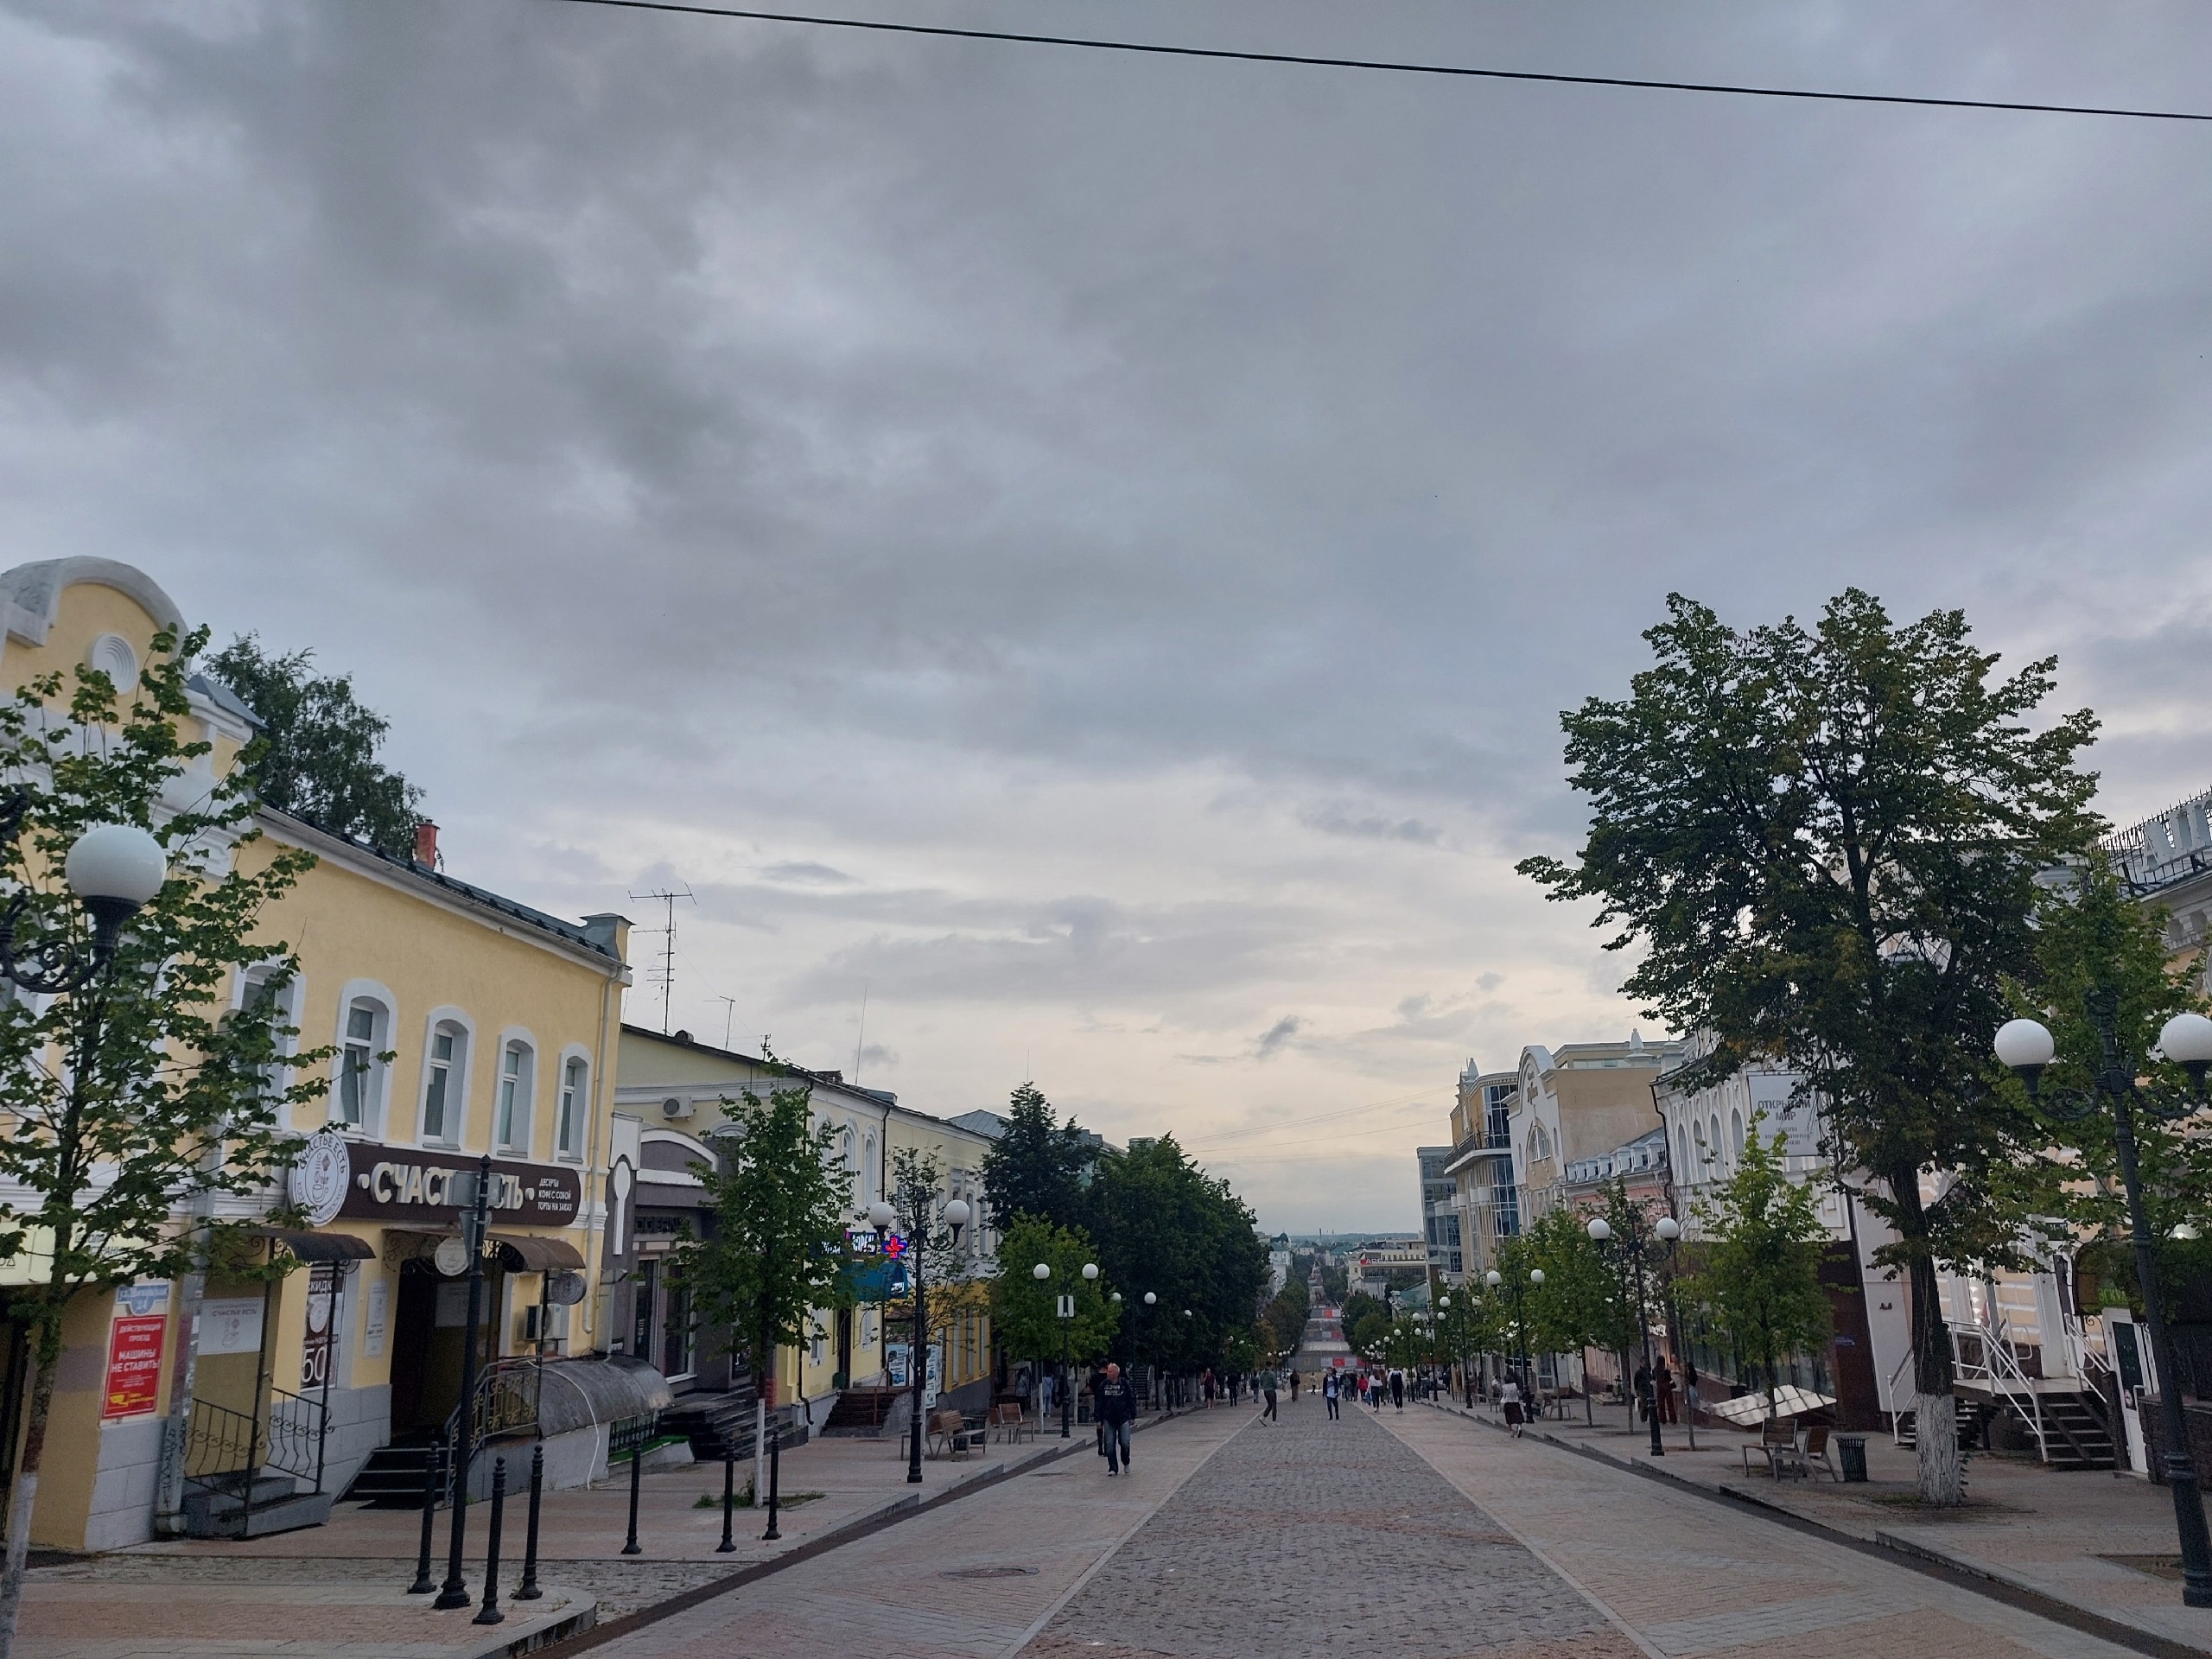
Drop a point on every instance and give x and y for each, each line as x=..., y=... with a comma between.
x=1798, y=1460
x=1777, y=1435
x=949, y=1430
x=1007, y=1423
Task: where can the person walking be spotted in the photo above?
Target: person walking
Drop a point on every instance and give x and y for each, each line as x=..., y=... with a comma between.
x=1397, y=1387
x=1330, y=1390
x=1664, y=1385
x=1509, y=1395
x=1267, y=1386
x=1376, y=1390
x=1117, y=1409
x=1293, y=1387
x=1205, y=1384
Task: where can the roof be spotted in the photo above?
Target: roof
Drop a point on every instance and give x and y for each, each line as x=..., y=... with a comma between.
x=227, y=700
x=573, y=933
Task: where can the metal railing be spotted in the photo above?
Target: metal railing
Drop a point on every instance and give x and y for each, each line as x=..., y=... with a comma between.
x=229, y=1450
x=507, y=1402
x=1980, y=1355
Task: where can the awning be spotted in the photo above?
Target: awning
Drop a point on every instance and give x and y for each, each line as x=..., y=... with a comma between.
x=522, y=1253
x=318, y=1247
x=612, y=1389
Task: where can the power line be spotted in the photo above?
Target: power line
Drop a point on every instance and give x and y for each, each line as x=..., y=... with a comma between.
x=1388, y=65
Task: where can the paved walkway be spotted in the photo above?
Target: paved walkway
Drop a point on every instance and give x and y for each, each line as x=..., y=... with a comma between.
x=2084, y=1538
x=1694, y=1579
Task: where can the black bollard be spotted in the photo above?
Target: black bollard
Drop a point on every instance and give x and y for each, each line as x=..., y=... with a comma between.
x=490, y=1613
x=775, y=1463
x=529, y=1590
x=637, y=1474
x=424, y=1584
x=729, y=1497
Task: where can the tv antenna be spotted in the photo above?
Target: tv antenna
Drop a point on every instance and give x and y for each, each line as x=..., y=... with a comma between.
x=664, y=975
x=729, y=1013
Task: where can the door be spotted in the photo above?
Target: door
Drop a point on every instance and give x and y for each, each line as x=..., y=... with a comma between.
x=2131, y=1362
x=844, y=1377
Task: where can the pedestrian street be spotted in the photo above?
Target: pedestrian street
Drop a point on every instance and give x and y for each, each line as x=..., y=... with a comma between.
x=1406, y=1534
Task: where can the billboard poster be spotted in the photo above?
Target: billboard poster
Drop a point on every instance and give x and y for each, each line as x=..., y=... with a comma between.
x=134, y=1365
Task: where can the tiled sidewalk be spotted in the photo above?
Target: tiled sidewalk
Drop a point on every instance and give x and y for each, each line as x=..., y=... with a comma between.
x=339, y=1589
x=2046, y=1531
x=1689, y=1578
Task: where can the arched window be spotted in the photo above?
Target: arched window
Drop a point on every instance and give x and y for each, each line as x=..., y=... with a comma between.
x=445, y=1085
x=1683, y=1167
x=268, y=996
x=511, y=1120
x=1736, y=1131
x=845, y=1147
x=364, y=1037
x=575, y=1107
x=871, y=1177
x=1713, y=1145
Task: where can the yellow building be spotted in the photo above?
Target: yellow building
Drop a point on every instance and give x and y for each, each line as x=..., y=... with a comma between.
x=465, y=1024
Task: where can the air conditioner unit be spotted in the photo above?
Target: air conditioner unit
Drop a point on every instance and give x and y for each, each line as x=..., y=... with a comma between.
x=673, y=1108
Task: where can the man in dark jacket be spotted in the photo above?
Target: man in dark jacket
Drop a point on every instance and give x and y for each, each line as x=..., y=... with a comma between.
x=1117, y=1407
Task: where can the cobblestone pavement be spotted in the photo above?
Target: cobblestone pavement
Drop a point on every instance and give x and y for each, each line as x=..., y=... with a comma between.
x=1695, y=1581
x=1322, y=1537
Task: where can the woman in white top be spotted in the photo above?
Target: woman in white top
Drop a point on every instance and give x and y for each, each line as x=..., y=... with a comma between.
x=1508, y=1395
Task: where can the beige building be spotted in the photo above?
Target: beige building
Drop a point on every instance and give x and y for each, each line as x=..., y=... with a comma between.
x=669, y=1097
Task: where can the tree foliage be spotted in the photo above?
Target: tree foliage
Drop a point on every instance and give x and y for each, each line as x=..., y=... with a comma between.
x=1164, y=1225
x=140, y=1097
x=1036, y=1165
x=1286, y=1315
x=1825, y=842
x=1024, y=1309
x=2093, y=938
x=316, y=753
x=1580, y=1304
x=780, y=1197
x=1759, y=1279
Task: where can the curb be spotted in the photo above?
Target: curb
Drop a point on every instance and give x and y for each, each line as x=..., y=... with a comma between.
x=905, y=1508
x=1948, y=1569
x=560, y=1630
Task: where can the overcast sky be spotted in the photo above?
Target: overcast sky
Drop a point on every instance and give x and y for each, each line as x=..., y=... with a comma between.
x=1087, y=552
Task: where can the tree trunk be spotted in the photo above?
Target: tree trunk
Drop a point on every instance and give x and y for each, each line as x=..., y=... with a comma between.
x=1935, y=1411
x=25, y=1495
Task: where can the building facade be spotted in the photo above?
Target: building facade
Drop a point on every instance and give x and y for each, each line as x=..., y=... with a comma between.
x=464, y=1024
x=1440, y=1215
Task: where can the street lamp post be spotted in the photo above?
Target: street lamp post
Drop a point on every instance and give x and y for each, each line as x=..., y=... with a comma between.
x=921, y=1201
x=1041, y=1273
x=1152, y=1342
x=2027, y=1047
x=1628, y=1255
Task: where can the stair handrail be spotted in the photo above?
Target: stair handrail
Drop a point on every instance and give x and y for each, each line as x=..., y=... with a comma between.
x=2000, y=1370
x=508, y=1399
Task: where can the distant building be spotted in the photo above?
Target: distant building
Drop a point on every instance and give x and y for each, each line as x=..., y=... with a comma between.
x=1439, y=1218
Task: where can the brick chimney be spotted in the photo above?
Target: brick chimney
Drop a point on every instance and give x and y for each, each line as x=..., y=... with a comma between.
x=426, y=844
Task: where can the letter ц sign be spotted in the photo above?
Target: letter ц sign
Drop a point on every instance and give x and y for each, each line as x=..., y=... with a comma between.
x=418, y=1187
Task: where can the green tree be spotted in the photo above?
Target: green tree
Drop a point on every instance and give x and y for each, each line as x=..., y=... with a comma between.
x=781, y=1198
x=1358, y=1308
x=135, y=1100
x=1580, y=1304
x=1286, y=1315
x=1024, y=1309
x=1164, y=1225
x=2093, y=939
x=1036, y=1165
x=1373, y=1331
x=1760, y=1277
x=1825, y=842
x=316, y=752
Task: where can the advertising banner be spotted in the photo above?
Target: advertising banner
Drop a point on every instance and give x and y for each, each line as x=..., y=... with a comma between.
x=134, y=1365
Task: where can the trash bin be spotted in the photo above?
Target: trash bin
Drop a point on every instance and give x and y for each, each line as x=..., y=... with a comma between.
x=1851, y=1453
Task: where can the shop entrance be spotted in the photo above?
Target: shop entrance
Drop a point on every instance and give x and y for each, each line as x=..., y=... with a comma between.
x=430, y=1332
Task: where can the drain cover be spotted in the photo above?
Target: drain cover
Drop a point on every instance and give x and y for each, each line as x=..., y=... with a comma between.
x=990, y=1572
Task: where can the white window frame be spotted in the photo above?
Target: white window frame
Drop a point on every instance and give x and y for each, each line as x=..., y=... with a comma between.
x=512, y=1040
x=295, y=998
x=457, y=1083
x=574, y=1054
x=377, y=1089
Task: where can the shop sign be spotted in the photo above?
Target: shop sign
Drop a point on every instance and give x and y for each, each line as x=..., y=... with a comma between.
x=134, y=1365
x=322, y=1307
x=363, y=1181
x=230, y=1325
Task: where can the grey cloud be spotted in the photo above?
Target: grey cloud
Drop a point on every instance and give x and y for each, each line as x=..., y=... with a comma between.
x=1277, y=1037
x=712, y=435
x=805, y=874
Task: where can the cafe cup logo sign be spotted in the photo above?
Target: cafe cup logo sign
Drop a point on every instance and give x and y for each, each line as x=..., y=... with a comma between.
x=358, y=1181
x=322, y=1177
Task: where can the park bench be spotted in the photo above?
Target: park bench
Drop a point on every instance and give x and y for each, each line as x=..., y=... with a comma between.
x=1008, y=1423
x=1798, y=1460
x=953, y=1433
x=1777, y=1435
